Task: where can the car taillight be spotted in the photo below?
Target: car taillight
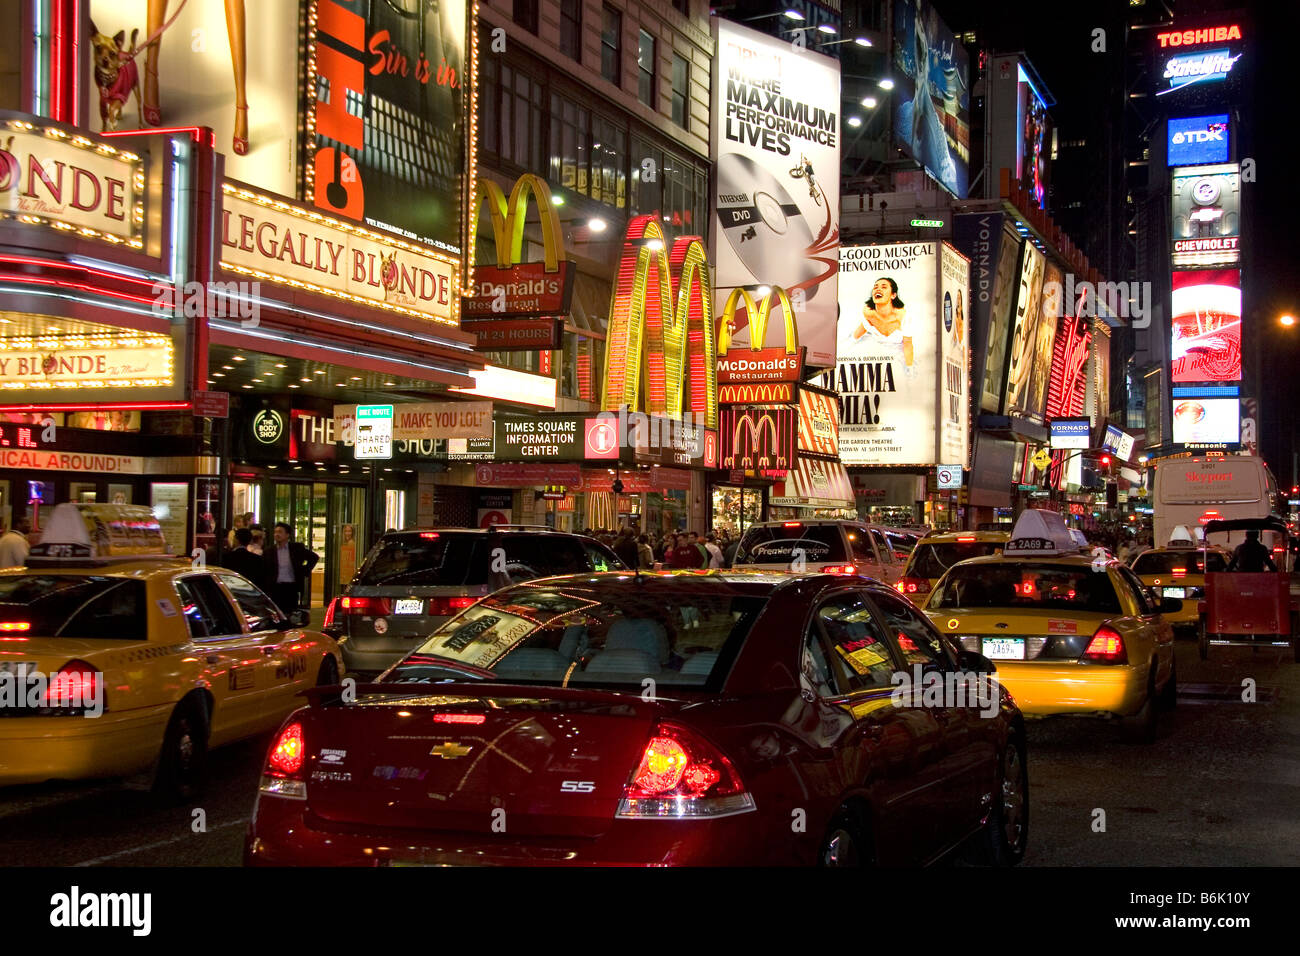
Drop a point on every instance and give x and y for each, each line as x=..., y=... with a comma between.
x=15, y=625
x=840, y=569
x=1180, y=572
x=330, y=611
x=460, y=718
x=965, y=538
x=370, y=606
x=448, y=607
x=1106, y=647
x=74, y=688
x=791, y=524
x=283, y=776
x=914, y=585
x=681, y=775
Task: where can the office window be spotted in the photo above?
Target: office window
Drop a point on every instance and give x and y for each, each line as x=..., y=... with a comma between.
x=611, y=46
x=645, y=64
x=511, y=107
x=526, y=14
x=571, y=29
x=588, y=153
x=681, y=90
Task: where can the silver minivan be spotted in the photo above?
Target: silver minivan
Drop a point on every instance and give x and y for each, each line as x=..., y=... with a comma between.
x=412, y=581
x=840, y=547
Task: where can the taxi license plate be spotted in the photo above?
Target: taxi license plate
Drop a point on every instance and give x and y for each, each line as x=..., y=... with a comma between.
x=1176, y=592
x=412, y=606
x=1004, y=648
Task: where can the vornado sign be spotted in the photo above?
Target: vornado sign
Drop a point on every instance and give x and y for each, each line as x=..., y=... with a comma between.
x=758, y=364
x=674, y=345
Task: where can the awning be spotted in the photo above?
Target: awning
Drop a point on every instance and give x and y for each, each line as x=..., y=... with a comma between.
x=814, y=483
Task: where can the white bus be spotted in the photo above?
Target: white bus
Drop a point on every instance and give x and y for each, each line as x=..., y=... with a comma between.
x=1192, y=491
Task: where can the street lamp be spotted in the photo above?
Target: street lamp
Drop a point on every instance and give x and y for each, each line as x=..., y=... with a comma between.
x=1287, y=320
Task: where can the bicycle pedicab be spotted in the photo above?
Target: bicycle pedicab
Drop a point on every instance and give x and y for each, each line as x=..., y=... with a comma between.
x=1246, y=609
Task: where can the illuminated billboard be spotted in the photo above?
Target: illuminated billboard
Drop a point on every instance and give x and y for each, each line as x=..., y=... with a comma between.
x=1207, y=421
x=1198, y=62
x=932, y=94
x=1073, y=433
x=1206, y=326
x=776, y=142
x=1206, y=223
x=1195, y=140
x=1025, y=335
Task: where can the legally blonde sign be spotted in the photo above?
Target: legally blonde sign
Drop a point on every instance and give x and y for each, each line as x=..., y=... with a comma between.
x=139, y=361
x=276, y=241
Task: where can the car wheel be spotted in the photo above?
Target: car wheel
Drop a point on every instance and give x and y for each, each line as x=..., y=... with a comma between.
x=845, y=843
x=1141, y=727
x=1203, y=642
x=1003, y=840
x=328, y=675
x=182, y=762
x=1169, y=695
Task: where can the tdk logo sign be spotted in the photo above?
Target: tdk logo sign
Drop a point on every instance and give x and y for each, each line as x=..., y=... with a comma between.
x=1197, y=140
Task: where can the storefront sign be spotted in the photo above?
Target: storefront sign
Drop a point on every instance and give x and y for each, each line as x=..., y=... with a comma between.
x=636, y=482
x=88, y=462
x=769, y=393
x=70, y=182
x=661, y=319
x=758, y=438
x=515, y=335
x=420, y=421
x=498, y=475
x=126, y=360
x=819, y=422
x=759, y=364
x=211, y=404
x=557, y=438
x=671, y=442
x=276, y=241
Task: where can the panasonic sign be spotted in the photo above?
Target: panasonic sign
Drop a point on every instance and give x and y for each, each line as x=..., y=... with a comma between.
x=1199, y=140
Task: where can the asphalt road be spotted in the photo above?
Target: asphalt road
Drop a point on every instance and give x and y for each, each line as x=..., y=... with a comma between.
x=1219, y=787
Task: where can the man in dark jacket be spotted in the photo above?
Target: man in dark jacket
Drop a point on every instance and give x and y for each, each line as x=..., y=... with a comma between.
x=625, y=548
x=286, y=565
x=1252, y=556
x=245, y=562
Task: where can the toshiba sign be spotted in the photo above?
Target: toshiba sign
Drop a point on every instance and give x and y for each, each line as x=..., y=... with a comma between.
x=1200, y=35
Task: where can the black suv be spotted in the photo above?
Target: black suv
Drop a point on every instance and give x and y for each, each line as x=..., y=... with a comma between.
x=412, y=581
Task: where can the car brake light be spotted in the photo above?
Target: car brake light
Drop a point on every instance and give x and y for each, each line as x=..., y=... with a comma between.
x=448, y=607
x=283, y=776
x=330, y=611
x=914, y=585
x=791, y=524
x=965, y=538
x=681, y=775
x=840, y=569
x=459, y=718
x=73, y=688
x=15, y=625
x=372, y=606
x=1180, y=572
x=428, y=534
x=1106, y=647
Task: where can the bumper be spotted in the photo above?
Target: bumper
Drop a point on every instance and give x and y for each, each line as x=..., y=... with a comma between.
x=282, y=834
x=1049, y=689
x=36, y=749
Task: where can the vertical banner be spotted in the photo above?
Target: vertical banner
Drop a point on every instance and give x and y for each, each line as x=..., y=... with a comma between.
x=994, y=253
x=777, y=149
x=954, y=294
x=1024, y=334
x=932, y=101
x=1050, y=310
x=888, y=362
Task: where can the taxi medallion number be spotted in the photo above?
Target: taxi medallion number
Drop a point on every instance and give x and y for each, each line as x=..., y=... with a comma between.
x=1004, y=648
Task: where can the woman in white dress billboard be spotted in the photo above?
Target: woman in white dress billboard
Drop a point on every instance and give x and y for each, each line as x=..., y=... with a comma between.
x=885, y=326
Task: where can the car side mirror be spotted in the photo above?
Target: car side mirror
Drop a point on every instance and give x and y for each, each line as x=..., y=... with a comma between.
x=968, y=661
x=1170, y=605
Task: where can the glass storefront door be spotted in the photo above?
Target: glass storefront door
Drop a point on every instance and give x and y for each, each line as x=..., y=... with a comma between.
x=331, y=520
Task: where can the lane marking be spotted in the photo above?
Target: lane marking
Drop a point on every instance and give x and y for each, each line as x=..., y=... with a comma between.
x=161, y=843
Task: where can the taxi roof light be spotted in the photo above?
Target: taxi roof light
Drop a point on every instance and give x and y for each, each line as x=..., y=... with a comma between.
x=1040, y=532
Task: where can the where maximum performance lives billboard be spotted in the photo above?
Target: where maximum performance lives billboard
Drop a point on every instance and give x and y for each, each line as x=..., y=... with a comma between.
x=777, y=148
x=904, y=338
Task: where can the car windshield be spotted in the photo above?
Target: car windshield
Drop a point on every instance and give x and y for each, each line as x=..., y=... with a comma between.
x=1026, y=585
x=1188, y=562
x=428, y=557
x=575, y=633
x=777, y=544
x=82, y=606
x=934, y=559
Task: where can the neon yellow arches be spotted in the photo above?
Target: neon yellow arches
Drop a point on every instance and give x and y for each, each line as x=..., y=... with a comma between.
x=758, y=317
x=508, y=216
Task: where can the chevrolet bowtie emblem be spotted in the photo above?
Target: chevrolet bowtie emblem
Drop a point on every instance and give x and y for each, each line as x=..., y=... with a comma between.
x=449, y=751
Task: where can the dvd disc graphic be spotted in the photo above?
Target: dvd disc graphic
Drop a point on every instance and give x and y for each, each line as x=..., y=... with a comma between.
x=764, y=225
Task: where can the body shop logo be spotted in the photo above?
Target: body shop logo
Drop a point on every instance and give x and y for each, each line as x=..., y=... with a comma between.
x=268, y=426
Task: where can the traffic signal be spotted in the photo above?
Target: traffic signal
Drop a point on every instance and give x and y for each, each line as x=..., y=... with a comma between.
x=1105, y=462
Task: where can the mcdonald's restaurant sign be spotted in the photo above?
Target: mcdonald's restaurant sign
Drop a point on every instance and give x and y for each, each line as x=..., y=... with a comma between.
x=661, y=320
x=759, y=438
x=512, y=288
x=759, y=365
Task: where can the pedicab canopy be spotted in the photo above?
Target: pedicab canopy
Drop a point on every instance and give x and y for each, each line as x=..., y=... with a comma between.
x=1040, y=533
x=1271, y=523
x=99, y=533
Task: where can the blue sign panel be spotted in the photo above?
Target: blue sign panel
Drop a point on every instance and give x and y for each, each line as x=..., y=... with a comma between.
x=1195, y=140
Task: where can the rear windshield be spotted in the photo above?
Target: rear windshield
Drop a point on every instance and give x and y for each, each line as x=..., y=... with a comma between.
x=83, y=606
x=420, y=558
x=1166, y=562
x=933, y=560
x=777, y=545
x=1027, y=585
x=442, y=558
x=611, y=635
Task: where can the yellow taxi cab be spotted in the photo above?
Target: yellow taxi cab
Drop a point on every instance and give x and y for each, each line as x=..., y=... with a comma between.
x=116, y=657
x=1178, y=571
x=1069, y=631
x=936, y=553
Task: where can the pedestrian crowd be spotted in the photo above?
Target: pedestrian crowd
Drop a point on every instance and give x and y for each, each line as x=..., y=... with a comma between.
x=673, y=549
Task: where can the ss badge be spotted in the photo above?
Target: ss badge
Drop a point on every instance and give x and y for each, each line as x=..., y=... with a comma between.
x=577, y=786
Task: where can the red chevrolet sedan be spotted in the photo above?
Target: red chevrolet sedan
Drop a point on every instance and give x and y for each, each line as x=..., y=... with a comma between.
x=709, y=718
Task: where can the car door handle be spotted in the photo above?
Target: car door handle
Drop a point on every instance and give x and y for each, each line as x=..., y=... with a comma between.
x=268, y=651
